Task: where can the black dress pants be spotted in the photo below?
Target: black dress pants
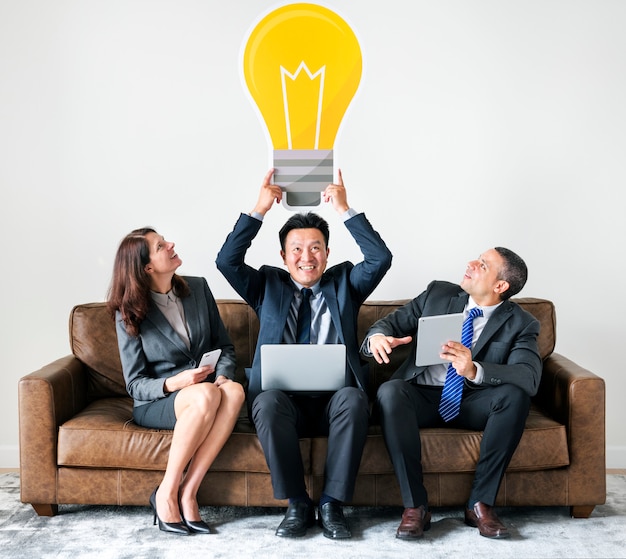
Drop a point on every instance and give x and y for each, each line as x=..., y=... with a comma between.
x=281, y=420
x=499, y=411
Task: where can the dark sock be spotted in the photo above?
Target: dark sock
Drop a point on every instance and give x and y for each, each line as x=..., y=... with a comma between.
x=327, y=499
x=300, y=499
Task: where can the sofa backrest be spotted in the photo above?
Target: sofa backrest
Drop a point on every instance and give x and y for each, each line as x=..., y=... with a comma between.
x=93, y=339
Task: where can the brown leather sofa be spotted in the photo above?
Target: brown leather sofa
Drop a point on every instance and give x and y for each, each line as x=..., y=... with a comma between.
x=78, y=443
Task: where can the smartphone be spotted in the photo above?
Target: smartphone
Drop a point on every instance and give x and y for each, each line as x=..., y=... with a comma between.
x=210, y=358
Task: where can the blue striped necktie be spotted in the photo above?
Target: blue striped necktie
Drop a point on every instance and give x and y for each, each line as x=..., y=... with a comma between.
x=303, y=331
x=453, y=385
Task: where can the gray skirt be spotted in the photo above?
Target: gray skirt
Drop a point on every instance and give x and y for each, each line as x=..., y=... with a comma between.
x=158, y=414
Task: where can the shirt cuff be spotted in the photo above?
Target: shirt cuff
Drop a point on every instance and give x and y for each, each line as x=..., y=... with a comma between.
x=256, y=215
x=350, y=212
x=480, y=374
x=368, y=351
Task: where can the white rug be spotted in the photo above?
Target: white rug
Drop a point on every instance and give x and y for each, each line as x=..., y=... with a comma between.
x=104, y=532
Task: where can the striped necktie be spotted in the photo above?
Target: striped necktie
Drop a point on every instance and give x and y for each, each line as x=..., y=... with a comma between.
x=303, y=331
x=453, y=385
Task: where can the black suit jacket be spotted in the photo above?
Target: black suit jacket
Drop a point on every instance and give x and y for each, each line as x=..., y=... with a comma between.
x=506, y=348
x=270, y=291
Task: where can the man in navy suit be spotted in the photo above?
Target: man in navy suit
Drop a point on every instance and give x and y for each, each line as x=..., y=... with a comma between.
x=275, y=295
x=501, y=371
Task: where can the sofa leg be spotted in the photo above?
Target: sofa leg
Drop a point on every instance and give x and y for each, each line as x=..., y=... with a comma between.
x=582, y=511
x=45, y=510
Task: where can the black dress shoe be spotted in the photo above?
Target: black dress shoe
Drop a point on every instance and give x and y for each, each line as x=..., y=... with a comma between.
x=415, y=521
x=300, y=515
x=171, y=527
x=484, y=518
x=333, y=521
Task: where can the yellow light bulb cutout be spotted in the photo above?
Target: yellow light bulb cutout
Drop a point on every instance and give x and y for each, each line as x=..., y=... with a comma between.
x=302, y=65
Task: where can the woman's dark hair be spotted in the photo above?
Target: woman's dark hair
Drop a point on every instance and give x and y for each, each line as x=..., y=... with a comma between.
x=130, y=285
x=514, y=272
x=308, y=220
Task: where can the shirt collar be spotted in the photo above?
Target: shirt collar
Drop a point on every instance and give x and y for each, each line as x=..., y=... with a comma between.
x=315, y=288
x=487, y=311
x=163, y=299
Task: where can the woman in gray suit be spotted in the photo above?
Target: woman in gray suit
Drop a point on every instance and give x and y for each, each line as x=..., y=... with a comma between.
x=165, y=323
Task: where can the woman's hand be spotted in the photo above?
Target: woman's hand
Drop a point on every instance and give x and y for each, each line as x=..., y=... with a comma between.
x=188, y=377
x=221, y=380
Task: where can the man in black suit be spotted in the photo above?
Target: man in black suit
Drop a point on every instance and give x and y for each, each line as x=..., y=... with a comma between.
x=501, y=371
x=277, y=295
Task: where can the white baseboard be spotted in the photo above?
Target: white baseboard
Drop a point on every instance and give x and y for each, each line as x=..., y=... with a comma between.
x=615, y=457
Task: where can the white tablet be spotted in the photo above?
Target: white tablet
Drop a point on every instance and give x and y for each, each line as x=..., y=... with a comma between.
x=432, y=333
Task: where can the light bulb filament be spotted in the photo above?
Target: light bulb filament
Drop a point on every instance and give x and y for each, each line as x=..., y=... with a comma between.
x=321, y=74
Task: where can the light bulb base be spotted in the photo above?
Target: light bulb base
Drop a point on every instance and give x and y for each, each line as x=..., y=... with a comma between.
x=303, y=174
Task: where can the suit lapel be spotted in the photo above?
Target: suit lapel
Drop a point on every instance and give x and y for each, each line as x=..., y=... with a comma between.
x=190, y=305
x=163, y=326
x=330, y=296
x=457, y=304
x=281, y=312
x=497, y=319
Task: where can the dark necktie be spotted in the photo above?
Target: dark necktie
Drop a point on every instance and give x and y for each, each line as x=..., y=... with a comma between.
x=453, y=385
x=303, y=332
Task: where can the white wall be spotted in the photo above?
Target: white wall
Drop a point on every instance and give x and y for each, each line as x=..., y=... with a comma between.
x=119, y=113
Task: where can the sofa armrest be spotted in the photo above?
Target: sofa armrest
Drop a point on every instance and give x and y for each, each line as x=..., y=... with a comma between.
x=47, y=398
x=575, y=397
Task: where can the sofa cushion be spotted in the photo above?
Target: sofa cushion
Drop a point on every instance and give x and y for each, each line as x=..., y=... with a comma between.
x=544, y=311
x=103, y=435
x=445, y=450
x=93, y=340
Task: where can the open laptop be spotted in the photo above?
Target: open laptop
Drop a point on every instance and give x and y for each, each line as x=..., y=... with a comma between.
x=303, y=367
x=432, y=333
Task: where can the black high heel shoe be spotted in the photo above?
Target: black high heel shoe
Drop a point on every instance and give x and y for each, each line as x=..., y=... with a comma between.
x=179, y=528
x=196, y=526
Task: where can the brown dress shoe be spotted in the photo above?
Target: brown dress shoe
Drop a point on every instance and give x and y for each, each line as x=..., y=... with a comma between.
x=485, y=519
x=414, y=523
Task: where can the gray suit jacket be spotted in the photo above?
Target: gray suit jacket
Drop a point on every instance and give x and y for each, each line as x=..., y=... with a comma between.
x=158, y=352
x=506, y=348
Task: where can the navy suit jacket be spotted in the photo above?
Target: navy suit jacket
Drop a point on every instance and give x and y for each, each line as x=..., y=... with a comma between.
x=270, y=291
x=506, y=348
x=159, y=352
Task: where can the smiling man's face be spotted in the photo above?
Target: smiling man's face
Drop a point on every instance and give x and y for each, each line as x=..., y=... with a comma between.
x=305, y=255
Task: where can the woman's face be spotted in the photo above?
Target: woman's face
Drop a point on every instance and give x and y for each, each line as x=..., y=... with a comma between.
x=163, y=258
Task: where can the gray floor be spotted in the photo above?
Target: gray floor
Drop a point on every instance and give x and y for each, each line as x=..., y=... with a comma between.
x=127, y=532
